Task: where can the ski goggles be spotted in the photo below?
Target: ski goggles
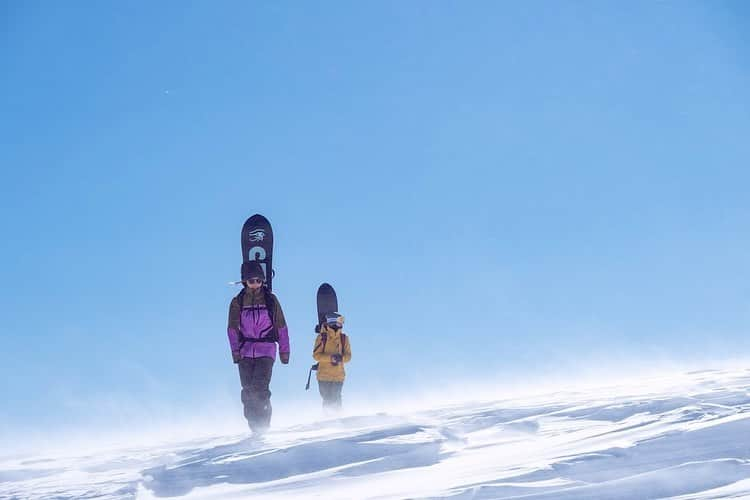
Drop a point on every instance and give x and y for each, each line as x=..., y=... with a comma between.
x=255, y=280
x=334, y=320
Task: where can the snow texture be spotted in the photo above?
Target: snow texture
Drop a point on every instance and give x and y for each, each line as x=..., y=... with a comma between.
x=686, y=438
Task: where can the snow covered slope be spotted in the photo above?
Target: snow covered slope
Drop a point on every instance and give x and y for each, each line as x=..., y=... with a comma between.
x=685, y=437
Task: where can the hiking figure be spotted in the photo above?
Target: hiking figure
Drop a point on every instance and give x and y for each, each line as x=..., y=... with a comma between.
x=331, y=350
x=256, y=325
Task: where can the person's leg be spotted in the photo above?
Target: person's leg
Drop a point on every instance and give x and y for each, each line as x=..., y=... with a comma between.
x=245, y=366
x=260, y=394
x=324, y=390
x=336, y=394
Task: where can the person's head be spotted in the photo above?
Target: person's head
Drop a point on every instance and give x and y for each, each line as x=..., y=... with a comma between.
x=334, y=320
x=252, y=274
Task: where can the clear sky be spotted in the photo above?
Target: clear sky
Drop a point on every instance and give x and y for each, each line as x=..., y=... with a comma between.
x=495, y=189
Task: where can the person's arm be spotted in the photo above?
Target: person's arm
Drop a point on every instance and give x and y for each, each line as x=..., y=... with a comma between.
x=233, y=329
x=347, y=348
x=280, y=323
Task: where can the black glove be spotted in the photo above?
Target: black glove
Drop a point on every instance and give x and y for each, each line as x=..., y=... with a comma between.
x=236, y=357
x=335, y=359
x=284, y=358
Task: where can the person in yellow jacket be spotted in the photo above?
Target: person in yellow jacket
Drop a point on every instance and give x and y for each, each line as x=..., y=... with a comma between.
x=331, y=350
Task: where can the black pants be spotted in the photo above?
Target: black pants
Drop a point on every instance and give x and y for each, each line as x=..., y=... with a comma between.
x=331, y=393
x=255, y=375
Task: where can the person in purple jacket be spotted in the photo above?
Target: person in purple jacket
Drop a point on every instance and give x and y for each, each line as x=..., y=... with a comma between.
x=256, y=325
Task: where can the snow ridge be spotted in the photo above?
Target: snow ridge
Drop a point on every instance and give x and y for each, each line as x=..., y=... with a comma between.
x=688, y=441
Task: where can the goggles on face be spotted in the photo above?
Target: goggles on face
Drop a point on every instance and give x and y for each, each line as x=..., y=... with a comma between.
x=334, y=320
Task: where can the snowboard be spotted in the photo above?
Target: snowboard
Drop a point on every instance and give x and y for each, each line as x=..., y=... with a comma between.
x=327, y=301
x=257, y=244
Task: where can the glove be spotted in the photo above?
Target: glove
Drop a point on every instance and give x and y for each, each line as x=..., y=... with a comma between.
x=236, y=357
x=284, y=358
x=335, y=359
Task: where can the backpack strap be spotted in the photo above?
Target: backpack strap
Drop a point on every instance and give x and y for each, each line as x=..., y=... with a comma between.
x=323, y=341
x=240, y=298
x=271, y=308
x=321, y=344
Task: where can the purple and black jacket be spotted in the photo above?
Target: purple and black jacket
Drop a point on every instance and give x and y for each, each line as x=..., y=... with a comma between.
x=252, y=316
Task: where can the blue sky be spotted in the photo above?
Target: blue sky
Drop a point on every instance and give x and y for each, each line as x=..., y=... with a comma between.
x=494, y=189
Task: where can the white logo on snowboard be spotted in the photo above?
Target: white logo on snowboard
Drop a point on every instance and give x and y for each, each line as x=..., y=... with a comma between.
x=257, y=235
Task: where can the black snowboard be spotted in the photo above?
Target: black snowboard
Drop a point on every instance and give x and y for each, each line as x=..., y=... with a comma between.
x=327, y=302
x=257, y=244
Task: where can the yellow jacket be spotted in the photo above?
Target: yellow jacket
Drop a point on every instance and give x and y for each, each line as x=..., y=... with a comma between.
x=326, y=344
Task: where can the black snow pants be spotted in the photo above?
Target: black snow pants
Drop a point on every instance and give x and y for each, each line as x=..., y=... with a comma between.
x=255, y=375
x=331, y=394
